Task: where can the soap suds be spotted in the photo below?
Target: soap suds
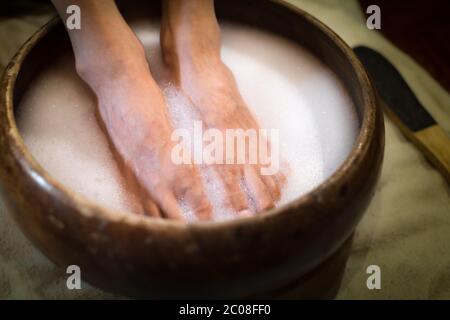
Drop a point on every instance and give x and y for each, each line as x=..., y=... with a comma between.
x=285, y=87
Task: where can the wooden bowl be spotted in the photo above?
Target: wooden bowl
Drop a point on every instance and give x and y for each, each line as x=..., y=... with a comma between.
x=296, y=251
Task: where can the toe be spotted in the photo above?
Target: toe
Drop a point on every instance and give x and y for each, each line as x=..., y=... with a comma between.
x=272, y=185
x=258, y=190
x=188, y=188
x=151, y=209
x=232, y=176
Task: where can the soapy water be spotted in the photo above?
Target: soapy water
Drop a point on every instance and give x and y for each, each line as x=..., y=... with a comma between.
x=285, y=87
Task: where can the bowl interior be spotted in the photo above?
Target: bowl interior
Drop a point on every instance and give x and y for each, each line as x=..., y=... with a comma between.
x=276, y=18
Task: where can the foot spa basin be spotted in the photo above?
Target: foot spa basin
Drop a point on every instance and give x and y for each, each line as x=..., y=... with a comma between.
x=60, y=182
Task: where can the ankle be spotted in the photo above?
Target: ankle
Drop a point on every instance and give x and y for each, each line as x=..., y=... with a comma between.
x=110, y=66
x=189, y=45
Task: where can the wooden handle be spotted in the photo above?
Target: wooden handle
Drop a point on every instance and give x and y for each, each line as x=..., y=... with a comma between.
x=436, y=147
x=433, y=142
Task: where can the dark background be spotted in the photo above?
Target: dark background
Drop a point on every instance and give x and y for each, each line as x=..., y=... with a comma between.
x=420, y=28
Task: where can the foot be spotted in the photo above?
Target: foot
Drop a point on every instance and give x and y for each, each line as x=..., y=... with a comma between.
x=133, y=112
x=203, y=77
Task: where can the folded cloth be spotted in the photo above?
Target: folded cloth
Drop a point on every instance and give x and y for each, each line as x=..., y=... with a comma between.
x=406, y=229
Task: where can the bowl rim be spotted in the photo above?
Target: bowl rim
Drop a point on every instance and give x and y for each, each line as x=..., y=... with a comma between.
x=92, y=209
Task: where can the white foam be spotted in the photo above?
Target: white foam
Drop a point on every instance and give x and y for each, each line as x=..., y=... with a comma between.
x=285, y=87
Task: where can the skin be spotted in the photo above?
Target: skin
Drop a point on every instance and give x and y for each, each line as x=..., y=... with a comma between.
x=195, y=59
x=133, y=112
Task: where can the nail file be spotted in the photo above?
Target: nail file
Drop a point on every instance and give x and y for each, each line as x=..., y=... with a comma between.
x=405, y=110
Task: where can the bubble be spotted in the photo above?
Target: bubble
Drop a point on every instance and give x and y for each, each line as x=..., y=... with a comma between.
x=285, y=87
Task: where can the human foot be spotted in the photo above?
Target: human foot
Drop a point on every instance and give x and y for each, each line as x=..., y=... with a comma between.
x=200, y=73
x=213, y=90
x=133, y=112
x=112, y=61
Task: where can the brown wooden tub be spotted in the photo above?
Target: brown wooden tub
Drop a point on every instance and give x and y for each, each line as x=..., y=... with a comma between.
x=296, y=251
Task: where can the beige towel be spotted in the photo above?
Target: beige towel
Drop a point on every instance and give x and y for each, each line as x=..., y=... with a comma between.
x=406, y=230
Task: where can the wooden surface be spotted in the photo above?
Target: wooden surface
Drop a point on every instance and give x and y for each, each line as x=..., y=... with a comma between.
x=436, y=147
x=433, y=142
